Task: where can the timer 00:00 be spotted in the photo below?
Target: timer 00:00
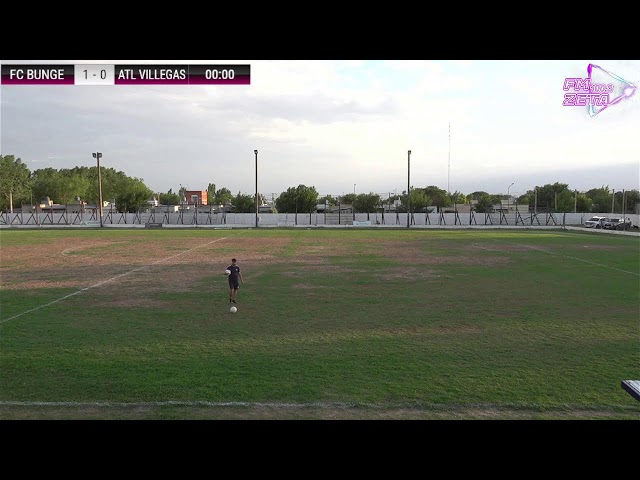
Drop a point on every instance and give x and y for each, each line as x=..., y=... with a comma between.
x=219, y=74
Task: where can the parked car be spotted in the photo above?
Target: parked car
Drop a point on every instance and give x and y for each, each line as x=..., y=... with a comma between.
x=611, y=223
x=595, y=222
x=617, y=224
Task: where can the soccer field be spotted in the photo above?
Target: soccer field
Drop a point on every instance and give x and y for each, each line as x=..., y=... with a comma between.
x=331, y=324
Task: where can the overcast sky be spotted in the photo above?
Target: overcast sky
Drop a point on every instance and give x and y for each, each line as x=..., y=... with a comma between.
x=333, y=124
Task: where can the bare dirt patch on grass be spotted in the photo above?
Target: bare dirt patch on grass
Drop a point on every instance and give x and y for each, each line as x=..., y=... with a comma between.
x=80, y=262
x=295, y=412
x=137, y=302
x=601, y=247
x=408, y=274
x=308, y=286
x=453, y=329
x=58, y=277
x=39, y=284
x=429, y=330
x=410, y=254
x=503, y=248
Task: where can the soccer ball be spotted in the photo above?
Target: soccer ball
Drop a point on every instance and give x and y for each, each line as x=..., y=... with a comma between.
x=227, y=272
x=233, y=309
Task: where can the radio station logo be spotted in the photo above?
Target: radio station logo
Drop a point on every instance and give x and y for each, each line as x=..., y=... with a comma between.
x=595, y=95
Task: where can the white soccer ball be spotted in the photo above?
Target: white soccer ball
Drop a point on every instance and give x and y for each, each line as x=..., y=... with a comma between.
x=227, y=272
x=233, y=309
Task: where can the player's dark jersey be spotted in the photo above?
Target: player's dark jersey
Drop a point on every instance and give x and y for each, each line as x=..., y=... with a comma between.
x=235, y=273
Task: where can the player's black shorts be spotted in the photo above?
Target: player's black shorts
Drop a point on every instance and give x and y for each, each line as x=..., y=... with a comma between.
x=234, y=285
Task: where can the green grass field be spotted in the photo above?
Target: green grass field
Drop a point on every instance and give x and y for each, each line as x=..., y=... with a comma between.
x=332, y=324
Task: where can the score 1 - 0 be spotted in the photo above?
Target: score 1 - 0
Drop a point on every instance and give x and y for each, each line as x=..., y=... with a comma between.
x=94, y=74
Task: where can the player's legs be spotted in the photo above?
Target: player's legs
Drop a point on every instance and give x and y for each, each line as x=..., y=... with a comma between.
x=234, y=292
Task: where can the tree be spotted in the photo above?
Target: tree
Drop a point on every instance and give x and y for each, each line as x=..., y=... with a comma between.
x=632, y=198
x=367, y=203
x=565, y=201
x=132, y=194
x=485, y=203
x=110, y=180
x=419, y=200
x=476, y=195
x=298, y=199
x=439, y=197
x=583, y=203
x=14, y=178
x=223, y=196
x=46, y=183
x=169, y=198
x=328, y=200
x=627, y=200
x=211, y=193
x=526, y=199
x=244, y=203
x=601, y=199
x=458, y=198
x=547, y=196
x=348, y=198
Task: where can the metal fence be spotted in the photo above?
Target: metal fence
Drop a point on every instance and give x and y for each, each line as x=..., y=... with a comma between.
x=160, y=217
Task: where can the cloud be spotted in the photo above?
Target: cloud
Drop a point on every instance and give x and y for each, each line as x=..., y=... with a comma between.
x=329, y=124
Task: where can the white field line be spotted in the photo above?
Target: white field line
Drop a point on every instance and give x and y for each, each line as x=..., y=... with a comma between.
x=112, y=279
x=561, y=255
x=203, y=403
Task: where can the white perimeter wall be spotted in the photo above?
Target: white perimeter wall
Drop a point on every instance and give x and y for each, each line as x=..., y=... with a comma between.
x=314, y=219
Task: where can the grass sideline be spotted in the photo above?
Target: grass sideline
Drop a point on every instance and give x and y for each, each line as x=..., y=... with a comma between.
x=362, y=324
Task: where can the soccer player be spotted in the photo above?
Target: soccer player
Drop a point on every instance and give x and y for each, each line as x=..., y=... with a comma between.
x=234, y=280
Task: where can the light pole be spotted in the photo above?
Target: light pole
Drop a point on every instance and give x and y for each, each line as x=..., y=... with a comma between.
x=613, y=200
x=509, y=197
x=256, y=153
x=354, y=189
x=408, y=187
x=97, y=156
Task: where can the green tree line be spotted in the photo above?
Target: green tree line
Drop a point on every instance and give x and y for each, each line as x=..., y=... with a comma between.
x=19, y=185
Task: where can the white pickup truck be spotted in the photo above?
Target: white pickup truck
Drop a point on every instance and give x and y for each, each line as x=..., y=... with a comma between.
x=595, y=222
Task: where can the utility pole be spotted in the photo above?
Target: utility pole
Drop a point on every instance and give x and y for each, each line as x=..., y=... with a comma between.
x=408, y=186
x=97, y=156
x=449, y=167
x=256, y=153
x=613, y=200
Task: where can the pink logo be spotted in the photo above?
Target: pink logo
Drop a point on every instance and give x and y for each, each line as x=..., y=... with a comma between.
x=596, y=96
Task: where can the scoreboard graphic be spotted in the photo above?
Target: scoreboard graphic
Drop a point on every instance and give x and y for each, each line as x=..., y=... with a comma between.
x=126, y=75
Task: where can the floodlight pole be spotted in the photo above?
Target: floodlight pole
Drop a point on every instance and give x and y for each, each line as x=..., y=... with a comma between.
x=256, y=153
x=613, y=200
x=97, y=156
x=408, y=186
x=509, y=197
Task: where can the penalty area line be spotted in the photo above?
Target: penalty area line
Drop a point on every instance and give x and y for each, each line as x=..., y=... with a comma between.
x=112, y=279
